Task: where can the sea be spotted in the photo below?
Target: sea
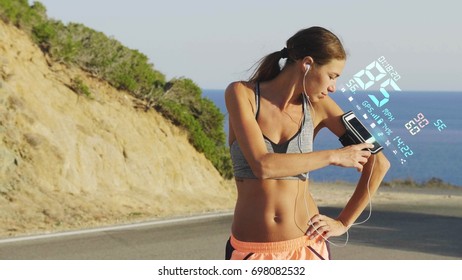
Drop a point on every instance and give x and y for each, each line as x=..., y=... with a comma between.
x=421, y=132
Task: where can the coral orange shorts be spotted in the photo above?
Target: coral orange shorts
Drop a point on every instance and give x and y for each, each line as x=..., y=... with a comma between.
x=300, y=248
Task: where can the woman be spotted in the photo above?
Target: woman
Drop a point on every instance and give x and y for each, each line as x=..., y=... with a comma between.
x=273, y=119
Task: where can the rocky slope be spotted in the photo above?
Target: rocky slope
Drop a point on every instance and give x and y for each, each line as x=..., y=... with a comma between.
x=71, y=161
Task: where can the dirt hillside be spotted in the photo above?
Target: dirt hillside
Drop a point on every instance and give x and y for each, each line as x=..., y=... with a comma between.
x=69, y=161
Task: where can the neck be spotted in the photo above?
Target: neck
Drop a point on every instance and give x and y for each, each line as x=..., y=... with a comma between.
x=284, y=90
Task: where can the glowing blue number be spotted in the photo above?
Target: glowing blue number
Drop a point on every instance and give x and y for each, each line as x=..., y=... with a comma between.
x=386, y=95
x=371, y=77
x=410, y=153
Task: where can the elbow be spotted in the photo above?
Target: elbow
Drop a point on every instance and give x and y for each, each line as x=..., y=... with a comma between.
x=382, y=163
x=262, y=169
x=259, y=173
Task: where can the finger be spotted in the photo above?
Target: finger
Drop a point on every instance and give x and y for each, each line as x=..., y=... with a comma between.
x=316, y=233
x=369, y=145
x=310, y=229
x=327, y=234
x=365, y=153
x=324, y=217
x=315, y=223
x=321, y=232
x=324, y=228
x=363, y=161
x=363, y=146
x=316, y=218
x=315, y=227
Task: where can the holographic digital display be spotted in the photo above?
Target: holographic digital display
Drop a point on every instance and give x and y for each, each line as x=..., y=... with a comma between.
x=369, y=92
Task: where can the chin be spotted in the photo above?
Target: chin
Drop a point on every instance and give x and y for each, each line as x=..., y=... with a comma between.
x=315, y=100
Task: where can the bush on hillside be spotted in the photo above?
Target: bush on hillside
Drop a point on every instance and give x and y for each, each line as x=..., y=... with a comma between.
x=20, y=14
x=188, y=94
x=179, y=100
x=182, y=103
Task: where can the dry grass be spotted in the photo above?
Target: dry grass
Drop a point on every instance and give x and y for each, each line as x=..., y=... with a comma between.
x=68, y=161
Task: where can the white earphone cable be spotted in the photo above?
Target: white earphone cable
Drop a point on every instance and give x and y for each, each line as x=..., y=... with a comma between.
x=305, y=187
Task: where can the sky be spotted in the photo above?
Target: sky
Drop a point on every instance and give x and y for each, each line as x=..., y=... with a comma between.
x=216, y=42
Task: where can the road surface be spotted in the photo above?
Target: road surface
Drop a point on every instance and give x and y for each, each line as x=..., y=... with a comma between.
x=387, y=235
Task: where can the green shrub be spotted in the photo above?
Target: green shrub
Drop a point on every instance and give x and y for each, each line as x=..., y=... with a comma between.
x=183, y=104
x=20, y=14
x=43, y=34
x=179, y=100
x=189, y=95
x=80, y=87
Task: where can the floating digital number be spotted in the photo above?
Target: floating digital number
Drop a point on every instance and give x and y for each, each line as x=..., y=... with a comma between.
x=415, y=125
x=358, y=83
x=403, y=147
x=381, y=73
x=376, y=73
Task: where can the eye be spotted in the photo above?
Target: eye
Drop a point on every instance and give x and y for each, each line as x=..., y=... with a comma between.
x=333, y=76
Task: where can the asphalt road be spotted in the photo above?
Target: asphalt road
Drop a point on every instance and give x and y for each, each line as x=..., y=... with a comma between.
x=399, y=234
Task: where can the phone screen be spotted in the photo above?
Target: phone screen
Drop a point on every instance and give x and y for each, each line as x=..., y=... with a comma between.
x=359, y=132
x=360, y=128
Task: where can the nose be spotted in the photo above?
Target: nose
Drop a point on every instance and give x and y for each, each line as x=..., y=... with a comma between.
x=331, y=88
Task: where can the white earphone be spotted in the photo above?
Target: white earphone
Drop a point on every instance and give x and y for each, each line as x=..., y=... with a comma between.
x=307, y=68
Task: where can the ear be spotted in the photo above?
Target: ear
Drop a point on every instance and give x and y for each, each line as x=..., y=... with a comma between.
x=307, y=60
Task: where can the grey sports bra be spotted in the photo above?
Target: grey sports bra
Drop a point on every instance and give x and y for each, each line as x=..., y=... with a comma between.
x=301, y=142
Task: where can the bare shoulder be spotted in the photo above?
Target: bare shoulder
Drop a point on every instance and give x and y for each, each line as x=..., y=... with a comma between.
x=239, y=93
x=238, y=88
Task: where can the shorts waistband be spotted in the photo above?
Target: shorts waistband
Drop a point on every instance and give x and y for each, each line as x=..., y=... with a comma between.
x=271, y=247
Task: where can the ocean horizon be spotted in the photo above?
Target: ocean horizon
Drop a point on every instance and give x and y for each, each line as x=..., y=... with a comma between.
x=423, y=130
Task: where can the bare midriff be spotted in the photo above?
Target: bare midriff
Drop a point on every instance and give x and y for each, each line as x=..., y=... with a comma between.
x=272, y=210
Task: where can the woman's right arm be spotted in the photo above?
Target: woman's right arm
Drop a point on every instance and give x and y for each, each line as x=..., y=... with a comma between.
x=266, y=165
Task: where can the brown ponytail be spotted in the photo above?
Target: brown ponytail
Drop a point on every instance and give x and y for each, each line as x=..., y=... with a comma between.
x=317, y=42
x=268, y=68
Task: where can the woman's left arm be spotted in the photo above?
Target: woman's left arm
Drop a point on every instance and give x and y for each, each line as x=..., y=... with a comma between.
x=373, y=172
x=372, y=175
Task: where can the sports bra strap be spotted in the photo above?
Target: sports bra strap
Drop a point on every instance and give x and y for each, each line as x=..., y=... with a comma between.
x=257, y=99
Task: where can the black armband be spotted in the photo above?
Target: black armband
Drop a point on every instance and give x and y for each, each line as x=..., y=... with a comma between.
x=347, y=139
x=357, y=133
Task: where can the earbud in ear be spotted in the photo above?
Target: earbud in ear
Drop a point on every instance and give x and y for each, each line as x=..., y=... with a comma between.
x=307, y=67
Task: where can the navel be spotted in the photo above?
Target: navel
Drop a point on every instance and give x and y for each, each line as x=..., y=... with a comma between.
x=277, y=219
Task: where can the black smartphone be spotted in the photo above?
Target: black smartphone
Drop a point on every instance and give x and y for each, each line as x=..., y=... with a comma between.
x=357, y=133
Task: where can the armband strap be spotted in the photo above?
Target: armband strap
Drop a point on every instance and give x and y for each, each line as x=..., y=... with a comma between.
x=346, y=139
